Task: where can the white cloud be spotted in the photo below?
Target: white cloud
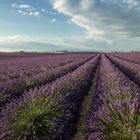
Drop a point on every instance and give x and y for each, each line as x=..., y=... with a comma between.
x=53, y=20
x=84, y=22
x=103, y=19
x=24, y=6
x=12, y=39
x=28, y=10
x=20, y=6
x=21, y=12
x=37, y=14
x=25, y=9
x=51, y=13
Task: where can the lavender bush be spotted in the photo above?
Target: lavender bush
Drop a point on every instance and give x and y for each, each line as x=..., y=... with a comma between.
x=28, y=66
x=132, y=70
x=14, y=88
x=50, y=111
x=114, y=113
x=132, y=57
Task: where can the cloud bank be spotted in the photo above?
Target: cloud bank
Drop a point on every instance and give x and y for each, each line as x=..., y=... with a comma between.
x=103, y=19
x=21, y=43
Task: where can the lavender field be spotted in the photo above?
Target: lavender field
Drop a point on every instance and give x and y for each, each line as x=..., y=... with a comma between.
x=77, y=96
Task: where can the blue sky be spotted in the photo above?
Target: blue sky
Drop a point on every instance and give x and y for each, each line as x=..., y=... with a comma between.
x=75, y=25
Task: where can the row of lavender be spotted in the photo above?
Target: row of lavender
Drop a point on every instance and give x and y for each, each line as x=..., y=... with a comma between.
x=114, y=114
x=49, y=111
x=17, y=87
x=132, y=70
x=132, y=57
x=27, y=67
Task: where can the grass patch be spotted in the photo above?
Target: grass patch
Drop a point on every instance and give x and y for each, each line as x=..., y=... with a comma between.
x=35, y=119
x=81, y=125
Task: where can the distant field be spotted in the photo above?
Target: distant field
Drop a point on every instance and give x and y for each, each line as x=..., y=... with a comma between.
x=77, y=96
x=15, y=55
